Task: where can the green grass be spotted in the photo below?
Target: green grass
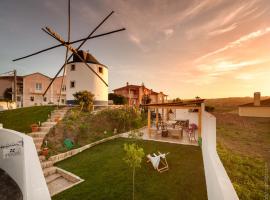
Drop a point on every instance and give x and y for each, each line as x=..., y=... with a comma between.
x=107, y=176
x=246, y=173
x=244, y=146
x=85, y=127
x=20, y=119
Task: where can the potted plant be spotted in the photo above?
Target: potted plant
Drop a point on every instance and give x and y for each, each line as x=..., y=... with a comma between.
x=34, y=127
x=45, y=151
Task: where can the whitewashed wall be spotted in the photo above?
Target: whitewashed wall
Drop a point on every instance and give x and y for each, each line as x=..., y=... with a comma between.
x=183, y=114
x=7, y=106
x=219, y=186
x=24, y=167
x=85, y=79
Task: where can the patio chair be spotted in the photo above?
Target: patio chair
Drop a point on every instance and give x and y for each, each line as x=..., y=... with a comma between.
x=159, y=161
x=191, y=132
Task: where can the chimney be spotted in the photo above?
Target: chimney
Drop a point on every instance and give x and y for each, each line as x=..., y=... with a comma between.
x=127, y=83
x=257, y=98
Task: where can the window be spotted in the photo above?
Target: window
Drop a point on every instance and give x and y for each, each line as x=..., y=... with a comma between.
x=32, y=98
x=38, y=86
x=44, y=99
x=72, y=68
x=63, y=101
x=18, y=98
x=64, y=88
x=72, y=84
x=100, y=70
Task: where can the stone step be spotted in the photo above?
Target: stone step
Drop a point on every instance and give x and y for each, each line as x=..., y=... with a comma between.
x=44, y=129
x=38, y=139
x=49, y=171
x=48, y=124
x=40, y=134
x=52, y=177
x=58, y=185
x=46, y=164
x=41, y=158
x=38, y=145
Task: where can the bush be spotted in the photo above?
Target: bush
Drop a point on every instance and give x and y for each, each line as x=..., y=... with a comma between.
x=117, y=99
x=85, y=100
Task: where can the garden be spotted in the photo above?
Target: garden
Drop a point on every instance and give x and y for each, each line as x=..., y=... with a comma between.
x=107, y=175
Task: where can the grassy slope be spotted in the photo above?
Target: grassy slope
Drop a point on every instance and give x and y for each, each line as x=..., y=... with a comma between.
x=20, y=119
x=243, y=146
x=108, y=177
x=84, y=127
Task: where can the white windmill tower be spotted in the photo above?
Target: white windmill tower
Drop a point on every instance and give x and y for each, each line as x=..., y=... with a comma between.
x=79, y=78
x=84, y=72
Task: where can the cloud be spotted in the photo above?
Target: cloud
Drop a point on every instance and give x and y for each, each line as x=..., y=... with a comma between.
x=168, y=32
x=223, y=30
x=225, y=20
x=135, y=39
x=237, y=43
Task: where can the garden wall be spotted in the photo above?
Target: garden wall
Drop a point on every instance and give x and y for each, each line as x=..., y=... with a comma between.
x=18, y=157
x=218, y=182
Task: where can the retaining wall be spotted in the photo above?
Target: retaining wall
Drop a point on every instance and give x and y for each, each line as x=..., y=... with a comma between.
x=219, y=185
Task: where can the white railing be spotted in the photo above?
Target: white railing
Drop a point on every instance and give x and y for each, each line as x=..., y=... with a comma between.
x=219, y=186
x=18, y=158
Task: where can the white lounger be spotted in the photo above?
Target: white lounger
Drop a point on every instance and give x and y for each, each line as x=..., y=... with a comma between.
x=159, y=161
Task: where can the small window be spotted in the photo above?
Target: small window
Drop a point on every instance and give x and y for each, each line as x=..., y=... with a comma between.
x=38, y=86
x=63, y=101
x=72, y=84
x=100, y=70
x=72, y=68
x=18, y=98
x=44, y=99
x=32, y=98
x=64, y=88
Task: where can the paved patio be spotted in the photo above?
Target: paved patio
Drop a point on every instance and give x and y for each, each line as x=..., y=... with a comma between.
x=156, y=136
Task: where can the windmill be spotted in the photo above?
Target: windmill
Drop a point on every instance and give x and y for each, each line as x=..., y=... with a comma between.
x=87, y=65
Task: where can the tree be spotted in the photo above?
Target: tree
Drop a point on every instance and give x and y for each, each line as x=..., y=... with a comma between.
x=8, y=94
x=117, y=99
x=176, y=100
x=133, y=158
x=85, y=100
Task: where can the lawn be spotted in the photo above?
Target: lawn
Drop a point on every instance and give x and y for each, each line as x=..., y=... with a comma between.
x=107, y=176
x=20, y=119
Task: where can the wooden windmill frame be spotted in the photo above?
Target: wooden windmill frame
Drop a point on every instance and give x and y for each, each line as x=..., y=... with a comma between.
x=74, y=51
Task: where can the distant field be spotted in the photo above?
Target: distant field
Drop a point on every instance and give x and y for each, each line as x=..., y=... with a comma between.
x=230, y=103
x=21, y=119
x=244, y=147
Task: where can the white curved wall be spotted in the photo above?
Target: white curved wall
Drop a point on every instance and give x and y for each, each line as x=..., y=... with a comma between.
x=219, y=185
x=25, y=167
x=85, y=79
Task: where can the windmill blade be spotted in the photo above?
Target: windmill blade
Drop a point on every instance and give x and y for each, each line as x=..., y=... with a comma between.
x=78, y=48
x=75, y=41
x=66, y=57
x=74, y=51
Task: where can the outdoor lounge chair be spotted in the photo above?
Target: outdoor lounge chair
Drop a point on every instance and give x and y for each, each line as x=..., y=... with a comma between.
x=191, y=132
x=159, y=161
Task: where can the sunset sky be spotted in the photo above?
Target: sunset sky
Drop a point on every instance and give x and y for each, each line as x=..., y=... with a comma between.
x=185, y=48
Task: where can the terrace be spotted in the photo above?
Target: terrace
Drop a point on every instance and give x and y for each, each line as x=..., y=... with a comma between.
x=179, y=122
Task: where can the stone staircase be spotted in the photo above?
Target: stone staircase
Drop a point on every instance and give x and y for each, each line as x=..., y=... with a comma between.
x=55, y=179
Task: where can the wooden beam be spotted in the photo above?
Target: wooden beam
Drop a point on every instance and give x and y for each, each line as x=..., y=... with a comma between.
x=200, y=122
x=157, y=117
x=149, y=122
x=175, y=107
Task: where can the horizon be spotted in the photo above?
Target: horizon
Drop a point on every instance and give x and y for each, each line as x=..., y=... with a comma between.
x=220, y=53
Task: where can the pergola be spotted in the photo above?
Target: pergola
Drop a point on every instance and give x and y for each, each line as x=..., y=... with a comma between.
x=196, y=104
